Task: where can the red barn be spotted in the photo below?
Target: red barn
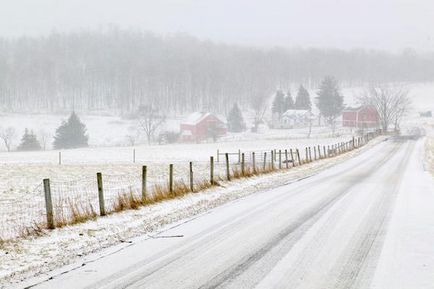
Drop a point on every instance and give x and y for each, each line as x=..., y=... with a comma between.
x=200, y=126
x=362, y=117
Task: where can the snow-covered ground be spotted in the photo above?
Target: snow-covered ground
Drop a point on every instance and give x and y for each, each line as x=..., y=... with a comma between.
x=330, y=230
x=21, y=173
x=30, y=256
x=108, y=130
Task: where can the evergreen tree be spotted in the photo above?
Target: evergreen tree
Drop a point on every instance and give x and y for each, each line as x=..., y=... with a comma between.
x=330, y=102
x=29, y=142
x=302, y=101
x=71, y=134
x=278, y=103
x=289, y=101
x=235, y=120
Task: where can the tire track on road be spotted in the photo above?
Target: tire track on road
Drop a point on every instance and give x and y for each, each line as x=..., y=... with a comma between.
x=288, y=237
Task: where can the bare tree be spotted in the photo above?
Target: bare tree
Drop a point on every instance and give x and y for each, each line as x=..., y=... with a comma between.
x=44, y=138
x=403, y=106
x=7, y=135
x=150, y=119
x=392, y=104
x=259, y=105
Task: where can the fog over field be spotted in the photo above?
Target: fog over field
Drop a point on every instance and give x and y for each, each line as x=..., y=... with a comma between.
x=58, y=56
x=386, y=24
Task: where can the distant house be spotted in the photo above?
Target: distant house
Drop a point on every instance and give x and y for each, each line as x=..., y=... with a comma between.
x=200, y=126
x=425, y=113
x=365, y=116
x=295, y=118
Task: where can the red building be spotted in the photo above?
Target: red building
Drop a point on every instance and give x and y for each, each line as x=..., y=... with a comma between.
x=362, y=117
x=200, y=126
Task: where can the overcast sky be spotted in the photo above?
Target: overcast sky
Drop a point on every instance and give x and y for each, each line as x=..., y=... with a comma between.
x=381, y=24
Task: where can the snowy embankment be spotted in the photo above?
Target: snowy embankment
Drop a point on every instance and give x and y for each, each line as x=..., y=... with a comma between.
x=34, y=256
x=430, y=154
x=407, y=258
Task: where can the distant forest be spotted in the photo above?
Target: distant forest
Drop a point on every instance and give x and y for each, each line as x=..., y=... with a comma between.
x=119, y=70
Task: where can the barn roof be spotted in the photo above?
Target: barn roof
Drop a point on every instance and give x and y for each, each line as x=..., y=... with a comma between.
x=353, y=108
x=356, y=109
x=197, y=117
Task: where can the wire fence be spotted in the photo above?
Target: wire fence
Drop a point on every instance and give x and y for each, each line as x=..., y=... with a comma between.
x=81, y=199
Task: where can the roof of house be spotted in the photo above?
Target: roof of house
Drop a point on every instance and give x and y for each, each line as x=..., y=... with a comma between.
x=197, y=117
x=296, y=112
x=355, y=109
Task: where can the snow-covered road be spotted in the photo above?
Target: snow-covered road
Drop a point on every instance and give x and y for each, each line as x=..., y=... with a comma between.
x=366, y=223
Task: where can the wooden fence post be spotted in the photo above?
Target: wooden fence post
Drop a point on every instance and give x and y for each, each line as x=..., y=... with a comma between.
x=286, y=159
x=298, y=156
x=310, y=154
x=239, y=156
x=307, y=155
x=228, y=172
x=324, y=151
x=48, y=204
x=280, y=159
x=211, y=170
x=254, y=162
x=100, y=195
x=314, y=153
x=319, y=151
x=243, y=172
x=171, y=178
x=144, y=176
x=292, y=158
x=265, y=161
x=272, y=160
x=191, y=177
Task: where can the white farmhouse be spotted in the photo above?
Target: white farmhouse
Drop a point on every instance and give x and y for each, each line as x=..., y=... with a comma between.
x=296, y=118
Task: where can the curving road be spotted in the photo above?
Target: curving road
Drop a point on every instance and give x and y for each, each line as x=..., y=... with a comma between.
x=341, y=228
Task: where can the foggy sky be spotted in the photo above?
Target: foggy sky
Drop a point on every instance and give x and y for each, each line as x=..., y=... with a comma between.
x=379, y=24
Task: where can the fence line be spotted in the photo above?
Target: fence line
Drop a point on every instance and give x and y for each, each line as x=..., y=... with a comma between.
x=54, y=204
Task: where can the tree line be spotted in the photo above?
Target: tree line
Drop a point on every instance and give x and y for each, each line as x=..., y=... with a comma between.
x=121, y=70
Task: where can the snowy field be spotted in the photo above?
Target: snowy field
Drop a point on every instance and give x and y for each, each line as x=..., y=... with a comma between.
x=31, y=256
x=21, y=194
x=108, y=130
